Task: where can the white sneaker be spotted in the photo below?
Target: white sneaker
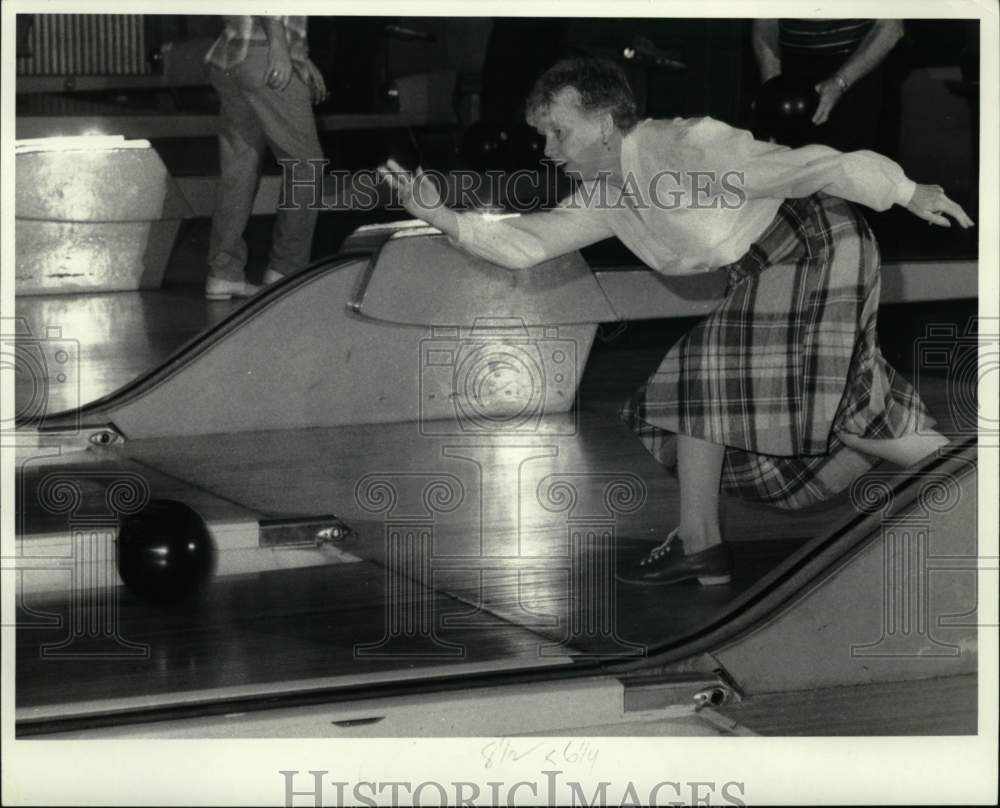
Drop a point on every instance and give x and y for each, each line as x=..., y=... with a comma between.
x=272, y=277
x=222, y=289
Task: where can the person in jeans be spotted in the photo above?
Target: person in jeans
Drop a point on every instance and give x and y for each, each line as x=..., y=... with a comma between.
x=267, y=85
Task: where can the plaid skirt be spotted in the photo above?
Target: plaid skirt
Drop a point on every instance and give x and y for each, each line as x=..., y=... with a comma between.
x=789, y=357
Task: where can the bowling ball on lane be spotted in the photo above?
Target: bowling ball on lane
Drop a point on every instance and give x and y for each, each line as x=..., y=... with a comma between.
x=165, y=552
x=784, y=108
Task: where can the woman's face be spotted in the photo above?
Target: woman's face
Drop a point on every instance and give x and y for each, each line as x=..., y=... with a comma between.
x=573, y=138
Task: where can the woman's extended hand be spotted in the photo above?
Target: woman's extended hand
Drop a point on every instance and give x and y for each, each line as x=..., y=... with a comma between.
x=416, y=191
x=930, y=203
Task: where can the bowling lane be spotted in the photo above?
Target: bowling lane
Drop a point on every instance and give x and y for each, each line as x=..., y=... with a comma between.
x=496, y=592
x=235, y=622
x=496, y=587
x=253, y=636
x=501, y=561
x=945, y=706
x=507, y=539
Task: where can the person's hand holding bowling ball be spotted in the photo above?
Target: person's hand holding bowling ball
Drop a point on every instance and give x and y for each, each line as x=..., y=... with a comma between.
x=830, y=92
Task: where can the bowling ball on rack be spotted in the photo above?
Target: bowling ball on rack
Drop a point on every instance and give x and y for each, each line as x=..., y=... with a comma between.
x=784, y=108
x=165, y=552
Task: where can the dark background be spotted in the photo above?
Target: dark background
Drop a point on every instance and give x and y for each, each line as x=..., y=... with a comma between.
x=931, y=110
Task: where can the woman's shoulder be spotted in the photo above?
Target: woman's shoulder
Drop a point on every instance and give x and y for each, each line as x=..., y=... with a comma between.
x=694, y=130
x=689, y=139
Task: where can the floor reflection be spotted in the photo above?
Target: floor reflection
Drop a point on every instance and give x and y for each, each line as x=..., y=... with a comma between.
x=109, y=339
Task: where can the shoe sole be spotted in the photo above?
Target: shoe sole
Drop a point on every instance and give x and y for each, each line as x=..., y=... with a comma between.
x=227, y=296
x=704, y=580
x=715, y=580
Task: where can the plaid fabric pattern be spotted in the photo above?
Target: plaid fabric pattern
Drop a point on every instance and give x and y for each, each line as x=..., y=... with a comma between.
x=789, y=356
x=242, y=31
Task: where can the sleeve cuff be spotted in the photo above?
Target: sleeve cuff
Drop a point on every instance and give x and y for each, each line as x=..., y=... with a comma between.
x=907, y=188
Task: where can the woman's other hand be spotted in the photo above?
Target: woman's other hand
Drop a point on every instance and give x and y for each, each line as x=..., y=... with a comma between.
x=930, y=203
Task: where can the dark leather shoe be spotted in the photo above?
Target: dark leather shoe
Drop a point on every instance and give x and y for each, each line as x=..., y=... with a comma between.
x=667, y=563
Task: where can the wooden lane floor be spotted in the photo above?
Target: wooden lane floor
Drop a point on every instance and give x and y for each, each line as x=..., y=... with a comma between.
x=499, y=543
x=253, y=635
x=945, y=706
x=495, y=583
x=110, y=338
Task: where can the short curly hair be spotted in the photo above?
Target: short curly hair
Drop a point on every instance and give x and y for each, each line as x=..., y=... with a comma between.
x=601, y=83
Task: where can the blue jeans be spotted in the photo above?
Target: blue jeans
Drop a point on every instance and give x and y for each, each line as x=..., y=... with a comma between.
x=253, y=115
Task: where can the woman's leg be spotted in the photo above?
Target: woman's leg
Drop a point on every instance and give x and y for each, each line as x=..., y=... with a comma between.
x=699, y=467
x=907, y=450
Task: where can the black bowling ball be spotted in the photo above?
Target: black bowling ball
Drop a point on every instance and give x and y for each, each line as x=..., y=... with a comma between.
x=784, y=108
x=165, y=552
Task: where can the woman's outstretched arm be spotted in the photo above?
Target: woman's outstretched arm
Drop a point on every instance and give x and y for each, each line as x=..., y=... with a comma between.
x=517, y=241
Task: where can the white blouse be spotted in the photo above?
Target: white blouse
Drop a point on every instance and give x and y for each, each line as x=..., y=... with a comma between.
x=696, y=195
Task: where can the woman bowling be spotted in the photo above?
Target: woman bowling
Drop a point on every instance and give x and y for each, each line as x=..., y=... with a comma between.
x=781, y=394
